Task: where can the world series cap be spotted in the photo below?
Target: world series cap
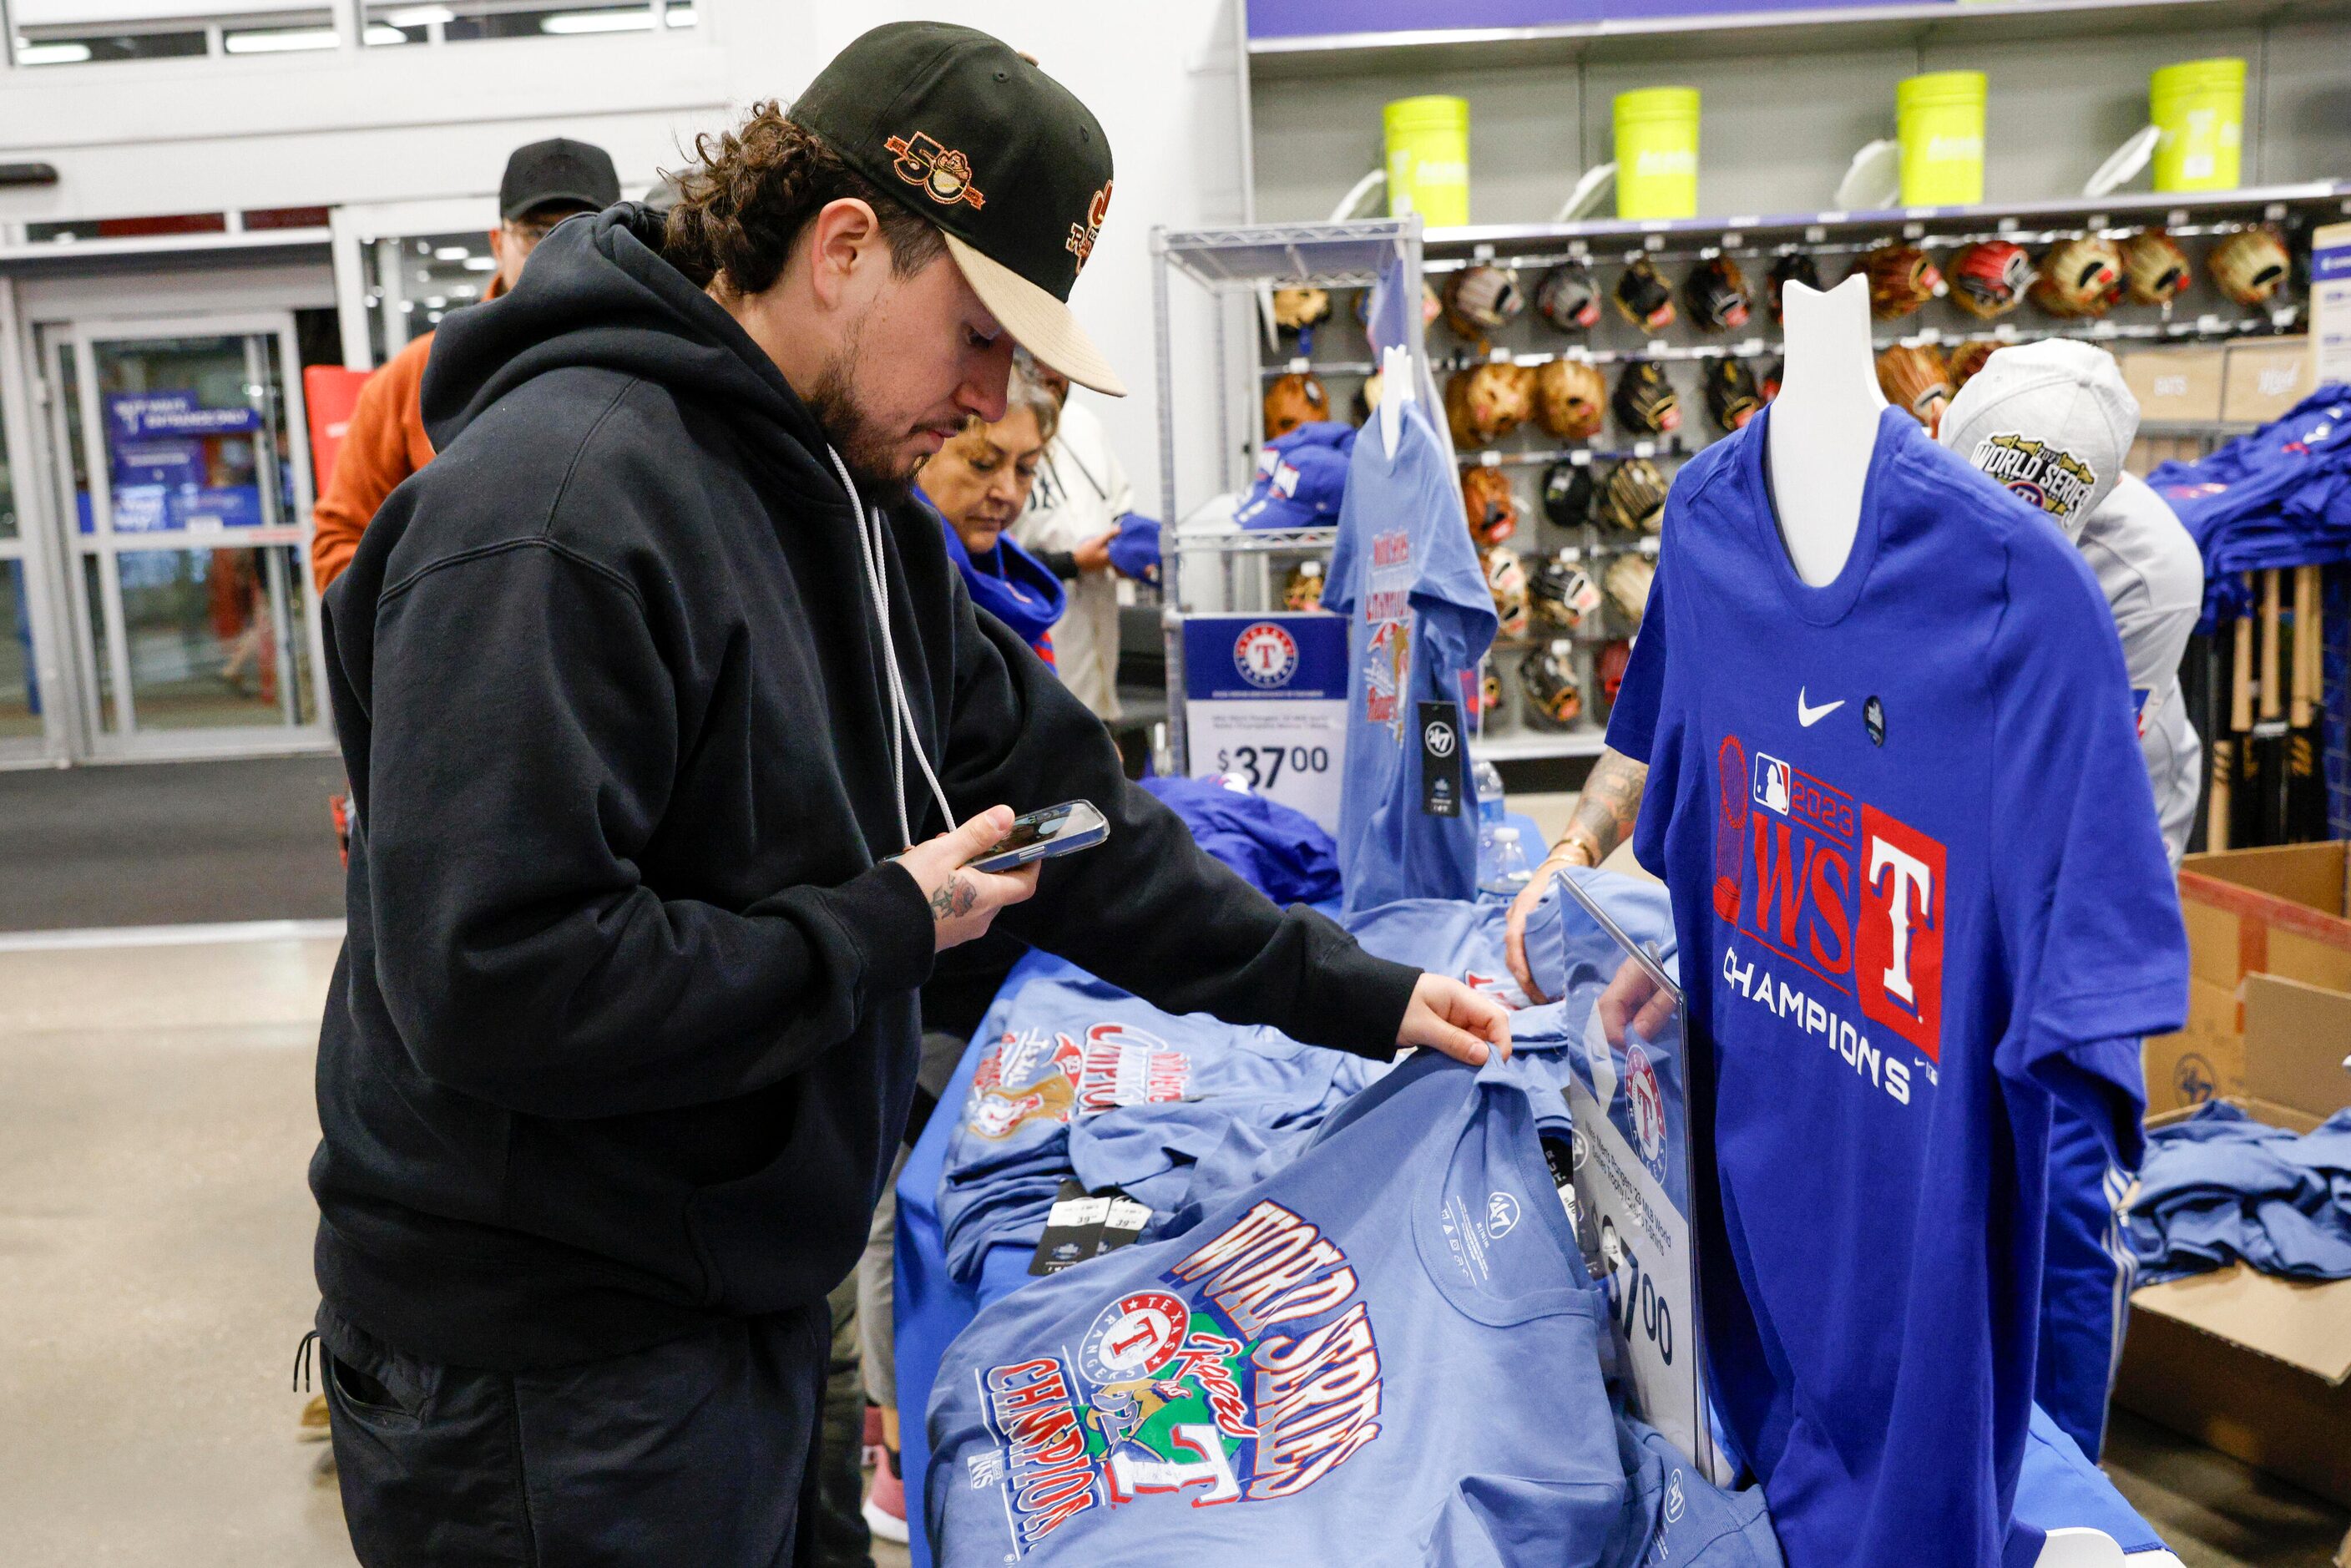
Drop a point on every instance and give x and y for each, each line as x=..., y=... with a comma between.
x=1005, y=159
x=2052, y=420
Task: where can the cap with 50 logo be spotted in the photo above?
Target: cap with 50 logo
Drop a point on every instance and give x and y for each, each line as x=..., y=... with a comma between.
x=1004, y=159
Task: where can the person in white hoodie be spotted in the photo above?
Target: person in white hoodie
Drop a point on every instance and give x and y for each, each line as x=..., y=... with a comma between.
x=2053, y=422
x=1080, y=493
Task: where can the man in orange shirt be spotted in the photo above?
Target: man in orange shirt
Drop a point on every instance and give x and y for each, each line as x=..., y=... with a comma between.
x=545, y=183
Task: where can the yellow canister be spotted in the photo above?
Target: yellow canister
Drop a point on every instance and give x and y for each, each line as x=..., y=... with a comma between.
x=1657, y=152
x=1939, y=118
x=2199, y=109
x=1428, y=159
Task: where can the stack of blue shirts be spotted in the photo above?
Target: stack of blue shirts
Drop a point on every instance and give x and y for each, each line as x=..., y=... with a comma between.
x=2278, y=497
x=1388, y=1352
x=2220, y=1187
x=1065, y=1051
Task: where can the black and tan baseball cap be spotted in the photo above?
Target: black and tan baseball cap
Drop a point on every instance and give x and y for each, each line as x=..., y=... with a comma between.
x=1006, y=161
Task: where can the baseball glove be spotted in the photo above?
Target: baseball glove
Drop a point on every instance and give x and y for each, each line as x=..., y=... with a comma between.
x=1967, y=358
x=1990, y=278
x=1560, y=594
x=1567, y=494
x=2249, y=266
x=1488, y=401
x=1793, y=267
x=1613, y=660
x=1570, y=400
x=1292, y=401
x=1915, y=381
x=1731, y=398
x=1367, y=398
x=1644, y=399
x=1479, y=299
x=1489, y=688
x=1547, y=677
x=1492, y=510
x=2154, y=270
x=1628, y=577
x=1303, y=589
x=1633, y=499
x=1296, y=307
x=1644, y=296
x=2079, y=277
x=1568, y=298
x=1901, y=279
x=1773, y=374
x=1505, y=579
x=1716, y=296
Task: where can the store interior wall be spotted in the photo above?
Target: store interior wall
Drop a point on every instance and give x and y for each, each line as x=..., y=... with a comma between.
x=1779, y=128
x=390, y=125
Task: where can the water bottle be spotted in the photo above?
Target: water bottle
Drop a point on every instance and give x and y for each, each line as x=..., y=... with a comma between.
x=1488, y=781
x=1509, y=873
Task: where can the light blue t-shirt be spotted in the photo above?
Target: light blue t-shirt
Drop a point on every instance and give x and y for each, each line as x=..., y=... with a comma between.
x=1336, y=1365
x=1420, y=617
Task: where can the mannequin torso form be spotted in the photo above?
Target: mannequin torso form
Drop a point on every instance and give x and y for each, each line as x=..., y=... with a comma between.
x=1823, y=425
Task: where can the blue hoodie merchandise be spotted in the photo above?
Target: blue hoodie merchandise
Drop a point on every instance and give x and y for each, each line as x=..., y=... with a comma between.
x=2058, y=1487
x=1284, y=853
x=1912, y=910
x=2220, y=1187
x=1384, y=1354
x=1405, y=575
x=1011, y=585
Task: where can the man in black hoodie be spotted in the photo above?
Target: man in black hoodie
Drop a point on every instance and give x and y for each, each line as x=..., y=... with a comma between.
x=661, y=703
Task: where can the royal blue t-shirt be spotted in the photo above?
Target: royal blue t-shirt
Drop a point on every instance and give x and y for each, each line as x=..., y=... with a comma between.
x=1914, y=905
x=1385, y=1354
x=1420, y=617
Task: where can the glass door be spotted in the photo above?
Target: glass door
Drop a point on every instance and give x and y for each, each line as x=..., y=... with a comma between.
x=24, y=719
x=184, y=496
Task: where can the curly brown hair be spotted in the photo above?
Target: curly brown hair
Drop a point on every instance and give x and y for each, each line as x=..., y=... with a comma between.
x=750, y=191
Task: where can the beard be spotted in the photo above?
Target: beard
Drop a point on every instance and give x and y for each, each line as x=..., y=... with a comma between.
x=884, y=477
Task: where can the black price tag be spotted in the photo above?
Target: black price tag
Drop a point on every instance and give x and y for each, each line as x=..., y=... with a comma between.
x=1123, y=1225
x=1440, y=759
x=1074, y=1229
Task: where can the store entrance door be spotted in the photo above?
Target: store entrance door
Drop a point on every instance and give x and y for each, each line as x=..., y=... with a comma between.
x=181, y=483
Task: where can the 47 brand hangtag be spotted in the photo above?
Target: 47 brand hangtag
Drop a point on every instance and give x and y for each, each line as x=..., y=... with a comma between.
x=1440, y=759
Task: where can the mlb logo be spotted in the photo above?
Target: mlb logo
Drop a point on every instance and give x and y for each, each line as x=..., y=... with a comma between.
x=1770, y=783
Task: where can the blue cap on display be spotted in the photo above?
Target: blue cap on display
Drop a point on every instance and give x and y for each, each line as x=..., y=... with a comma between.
x=1136, y=551
x=1301, y=478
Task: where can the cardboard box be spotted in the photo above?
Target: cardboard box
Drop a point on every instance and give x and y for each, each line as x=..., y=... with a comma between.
x=2255, y=1366
x=2261, y=381
x=2180, y=386
x=2285, y=912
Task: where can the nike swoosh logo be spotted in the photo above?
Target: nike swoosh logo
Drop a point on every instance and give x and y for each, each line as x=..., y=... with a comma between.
x=1808, y=715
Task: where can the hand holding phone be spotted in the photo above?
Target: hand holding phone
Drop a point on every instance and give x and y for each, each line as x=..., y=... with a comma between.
x=1061, y=829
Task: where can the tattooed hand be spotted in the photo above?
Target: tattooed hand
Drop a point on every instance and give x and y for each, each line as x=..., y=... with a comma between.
x=1604, y=816
x=964, y=902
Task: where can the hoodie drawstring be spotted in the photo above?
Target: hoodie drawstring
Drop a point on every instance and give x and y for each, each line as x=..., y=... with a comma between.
x=869, y=538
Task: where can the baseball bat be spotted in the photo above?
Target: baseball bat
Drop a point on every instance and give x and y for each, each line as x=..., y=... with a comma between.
x=2305, y=800
x=2270, y=729
x=2243, y=773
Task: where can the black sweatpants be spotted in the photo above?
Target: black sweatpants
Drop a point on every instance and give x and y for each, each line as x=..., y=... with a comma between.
x=694, y=1451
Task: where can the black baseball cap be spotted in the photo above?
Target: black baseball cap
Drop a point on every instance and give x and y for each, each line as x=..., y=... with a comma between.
x=560, y=171
x=964, y=130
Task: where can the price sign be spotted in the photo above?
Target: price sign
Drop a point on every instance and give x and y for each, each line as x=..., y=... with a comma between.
x=1265, y=697
x=1627, y=1188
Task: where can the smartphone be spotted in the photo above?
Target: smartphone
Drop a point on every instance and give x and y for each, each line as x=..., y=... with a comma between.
x=1060, y=829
